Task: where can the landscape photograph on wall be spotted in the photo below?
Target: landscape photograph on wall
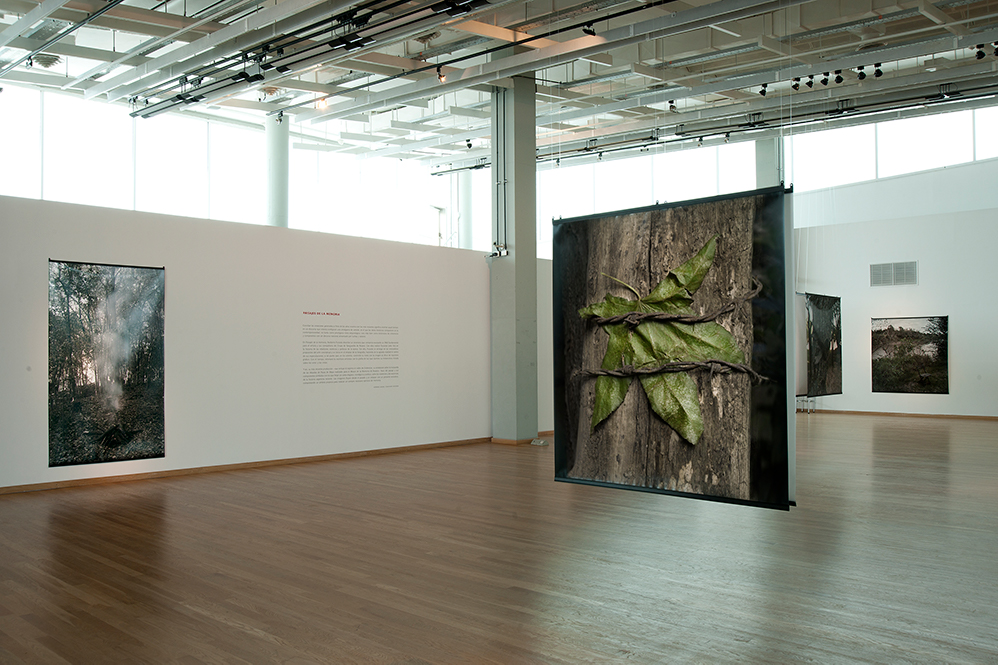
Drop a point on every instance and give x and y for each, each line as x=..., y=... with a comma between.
x=824, y=345
x=105, y=335
x=670, y=349
x=910, y=355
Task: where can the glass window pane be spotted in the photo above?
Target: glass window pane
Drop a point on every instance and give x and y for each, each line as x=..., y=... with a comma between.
x=566, y=191
x=21, y=170
x=88, y=152
x=481, y=209
x=832, y=157
x=623, y=184
x=390, y=199
x=736, y=167
x=237, y=174
x=685, y=174
x=171, y=165
x=928, y=142
x=986, y=130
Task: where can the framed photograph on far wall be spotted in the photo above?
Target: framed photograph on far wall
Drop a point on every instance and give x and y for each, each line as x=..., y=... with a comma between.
x=910, y=355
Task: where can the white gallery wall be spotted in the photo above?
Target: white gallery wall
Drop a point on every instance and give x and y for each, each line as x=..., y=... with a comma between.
x=235, y=301
x=947, y=221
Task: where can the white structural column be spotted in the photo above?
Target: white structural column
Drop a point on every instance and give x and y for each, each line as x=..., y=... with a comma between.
x=514, y=276
x=278, y=147
x=769, y=162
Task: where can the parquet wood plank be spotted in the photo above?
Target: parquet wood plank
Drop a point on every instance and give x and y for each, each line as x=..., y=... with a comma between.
x=474, y=555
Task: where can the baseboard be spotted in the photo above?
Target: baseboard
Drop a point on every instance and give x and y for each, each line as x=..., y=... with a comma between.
x=908, y=415
x=512, y=442
x=546, y=433
x=170, y=473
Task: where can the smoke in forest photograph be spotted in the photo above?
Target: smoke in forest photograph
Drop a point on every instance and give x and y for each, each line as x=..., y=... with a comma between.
x=105, y=363
x=911, y=355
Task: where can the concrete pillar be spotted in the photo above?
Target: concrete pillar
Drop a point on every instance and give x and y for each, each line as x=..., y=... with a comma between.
x=514, y=276
x=278, y=152
x=769, y=162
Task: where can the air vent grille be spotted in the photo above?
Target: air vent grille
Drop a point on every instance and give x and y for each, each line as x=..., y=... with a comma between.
x=893, y=274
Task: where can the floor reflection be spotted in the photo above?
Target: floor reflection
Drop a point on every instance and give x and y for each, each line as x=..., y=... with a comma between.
x=106, y=547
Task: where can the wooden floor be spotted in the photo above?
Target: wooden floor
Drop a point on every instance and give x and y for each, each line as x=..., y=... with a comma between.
x=474, y=555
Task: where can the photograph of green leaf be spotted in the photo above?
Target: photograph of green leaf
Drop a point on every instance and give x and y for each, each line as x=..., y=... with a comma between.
x=670, y=349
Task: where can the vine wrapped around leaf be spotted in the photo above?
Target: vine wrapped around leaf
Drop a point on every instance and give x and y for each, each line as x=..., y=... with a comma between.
x=659, y=338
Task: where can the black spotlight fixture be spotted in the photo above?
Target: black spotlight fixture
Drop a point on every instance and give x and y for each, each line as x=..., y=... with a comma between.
x=861, y=75
x=996, y=49
x=877, y=71
x=810, y=81
x=467, y=142
x=762, y=91
x=980, y=52
x=838, y=76
x=700, y=142
x=588, y=29
x=727, y=137
x=440, y=75
x=672, y=106
x=796, y=84
x=824, y=79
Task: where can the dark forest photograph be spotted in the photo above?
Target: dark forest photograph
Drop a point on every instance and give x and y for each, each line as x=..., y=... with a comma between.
x=911, y=355
x=824, y=345
x=105, y=363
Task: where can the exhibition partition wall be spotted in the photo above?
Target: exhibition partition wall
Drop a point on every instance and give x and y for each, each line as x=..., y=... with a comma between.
x=276, y=343
x=911, y=258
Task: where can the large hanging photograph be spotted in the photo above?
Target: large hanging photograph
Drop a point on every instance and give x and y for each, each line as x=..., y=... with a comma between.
x=105, y=363
x=910, y=355
x=824, y=345
x=670, y=349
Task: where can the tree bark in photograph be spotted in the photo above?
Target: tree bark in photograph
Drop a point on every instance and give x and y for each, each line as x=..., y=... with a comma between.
x=634, y=446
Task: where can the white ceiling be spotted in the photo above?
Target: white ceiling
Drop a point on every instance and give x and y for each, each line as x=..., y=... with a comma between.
x=413, y=79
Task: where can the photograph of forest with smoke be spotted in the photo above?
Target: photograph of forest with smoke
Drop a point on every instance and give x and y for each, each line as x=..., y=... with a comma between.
x=105, y=363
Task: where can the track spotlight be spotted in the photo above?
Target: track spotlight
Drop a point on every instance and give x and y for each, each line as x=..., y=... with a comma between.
x=762, y=91
x=824, y=79
x=440, y=75
x=700, y=142
x=672, y=106
x=29, y=63
x=810, y=81
x=727, y=137
x=557, y=162
x=980, y=52
x=467, y=142
x=599, y=157
x=280, y=117
x=877, y=71
x=796, y=84
x=861, y=75
x=838, y=76
x=588, y=29
x=996, y=49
